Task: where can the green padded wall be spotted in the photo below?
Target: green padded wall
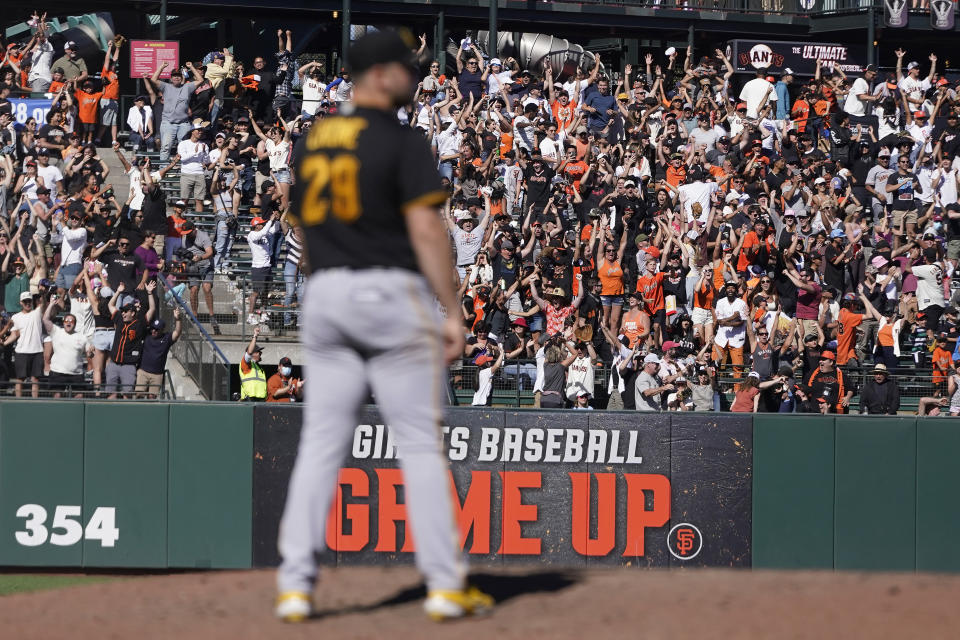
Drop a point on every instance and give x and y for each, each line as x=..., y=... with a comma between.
x=210, y=519
x=938, y=518
x=41, y=463
x=793, y=481
x=876, y=495
x=125, y=467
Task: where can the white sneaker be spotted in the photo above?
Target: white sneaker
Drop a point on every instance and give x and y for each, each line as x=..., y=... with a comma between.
x=252, y=319
x=293, y=606
x=264, y=317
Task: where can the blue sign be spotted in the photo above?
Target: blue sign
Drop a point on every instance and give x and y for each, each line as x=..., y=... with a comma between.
x=24, y=108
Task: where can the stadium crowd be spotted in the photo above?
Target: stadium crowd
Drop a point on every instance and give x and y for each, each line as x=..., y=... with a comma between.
x=666, y=223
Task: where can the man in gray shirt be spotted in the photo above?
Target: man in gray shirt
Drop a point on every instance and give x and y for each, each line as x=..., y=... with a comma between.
x=175, y=119
x=648, y=387
x=704, y=137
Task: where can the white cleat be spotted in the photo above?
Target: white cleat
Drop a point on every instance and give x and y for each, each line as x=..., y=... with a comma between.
x=450, y=605
x=293, y=606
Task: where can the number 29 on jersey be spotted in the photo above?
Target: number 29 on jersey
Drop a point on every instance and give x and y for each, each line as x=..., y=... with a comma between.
x=332, y=188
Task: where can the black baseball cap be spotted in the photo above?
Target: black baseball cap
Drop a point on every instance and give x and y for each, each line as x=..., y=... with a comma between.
x=381, y=47
x=285, y=361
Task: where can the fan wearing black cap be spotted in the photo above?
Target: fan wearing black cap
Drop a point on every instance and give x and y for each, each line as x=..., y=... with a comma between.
x=130, y=328
x=153, y=360
x=375, y=241
x=282, y=386
x=140, y=122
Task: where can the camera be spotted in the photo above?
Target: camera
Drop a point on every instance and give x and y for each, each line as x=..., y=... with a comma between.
x=108, y=193
x=183, y=261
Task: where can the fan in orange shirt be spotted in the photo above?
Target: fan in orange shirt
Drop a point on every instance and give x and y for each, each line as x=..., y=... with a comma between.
x=572, y=168
x=848, y=321
x=676, y=170
x=801, y=111
x=87, y=101
x=635, y=323
x=753, y=243
x=109, y=106
x=506, y=138
x=563, y=109
x=650, y=287
x=942, y=359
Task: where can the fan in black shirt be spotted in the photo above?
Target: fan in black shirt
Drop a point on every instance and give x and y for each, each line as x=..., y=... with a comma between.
x=538, y=178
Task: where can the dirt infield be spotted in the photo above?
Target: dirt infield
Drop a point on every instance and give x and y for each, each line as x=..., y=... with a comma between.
x=535, y=603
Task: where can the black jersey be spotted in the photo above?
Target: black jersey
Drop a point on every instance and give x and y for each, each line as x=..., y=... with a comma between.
x=357, y=174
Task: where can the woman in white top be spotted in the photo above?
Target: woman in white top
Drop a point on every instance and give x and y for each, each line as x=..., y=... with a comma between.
x=433, y=85
x=277, y=143
x=29, y=181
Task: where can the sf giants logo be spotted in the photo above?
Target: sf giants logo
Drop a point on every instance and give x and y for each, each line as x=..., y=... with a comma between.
x=684, y=541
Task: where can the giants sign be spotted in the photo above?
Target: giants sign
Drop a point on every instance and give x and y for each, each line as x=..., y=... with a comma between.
x=573, y=489
x=749, y=56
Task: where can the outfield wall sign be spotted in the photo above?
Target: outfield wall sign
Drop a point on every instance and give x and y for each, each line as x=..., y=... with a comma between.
x=554, y=488
x=749, y=56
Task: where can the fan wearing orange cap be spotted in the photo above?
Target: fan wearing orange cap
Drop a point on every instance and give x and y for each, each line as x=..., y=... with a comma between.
x=828, y=386
x=488, y=362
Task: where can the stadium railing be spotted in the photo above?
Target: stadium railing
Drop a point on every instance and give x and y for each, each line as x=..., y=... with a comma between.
x=509, y=391
x=85, y=390
x=774, y=7
x=230, y=295
x=196, y=350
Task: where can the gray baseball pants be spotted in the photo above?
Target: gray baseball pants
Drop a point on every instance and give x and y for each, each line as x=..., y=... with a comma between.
x=376, y=327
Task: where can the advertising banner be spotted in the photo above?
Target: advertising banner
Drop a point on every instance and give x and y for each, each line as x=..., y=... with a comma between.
x=941, y=14
x=895, y=13
x=749, y=56
x=147, y=55
x=568, y=489
x=24, y=108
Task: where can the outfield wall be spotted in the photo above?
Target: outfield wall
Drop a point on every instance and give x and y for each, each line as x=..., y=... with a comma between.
x=97, y=484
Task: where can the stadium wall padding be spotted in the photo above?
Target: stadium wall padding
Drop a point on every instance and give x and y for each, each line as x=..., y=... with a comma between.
x=132, y=485
x=187, y=485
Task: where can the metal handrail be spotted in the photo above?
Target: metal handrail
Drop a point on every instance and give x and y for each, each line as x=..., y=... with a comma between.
x=914, y=384
x=85, y=390
x=196, y=350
